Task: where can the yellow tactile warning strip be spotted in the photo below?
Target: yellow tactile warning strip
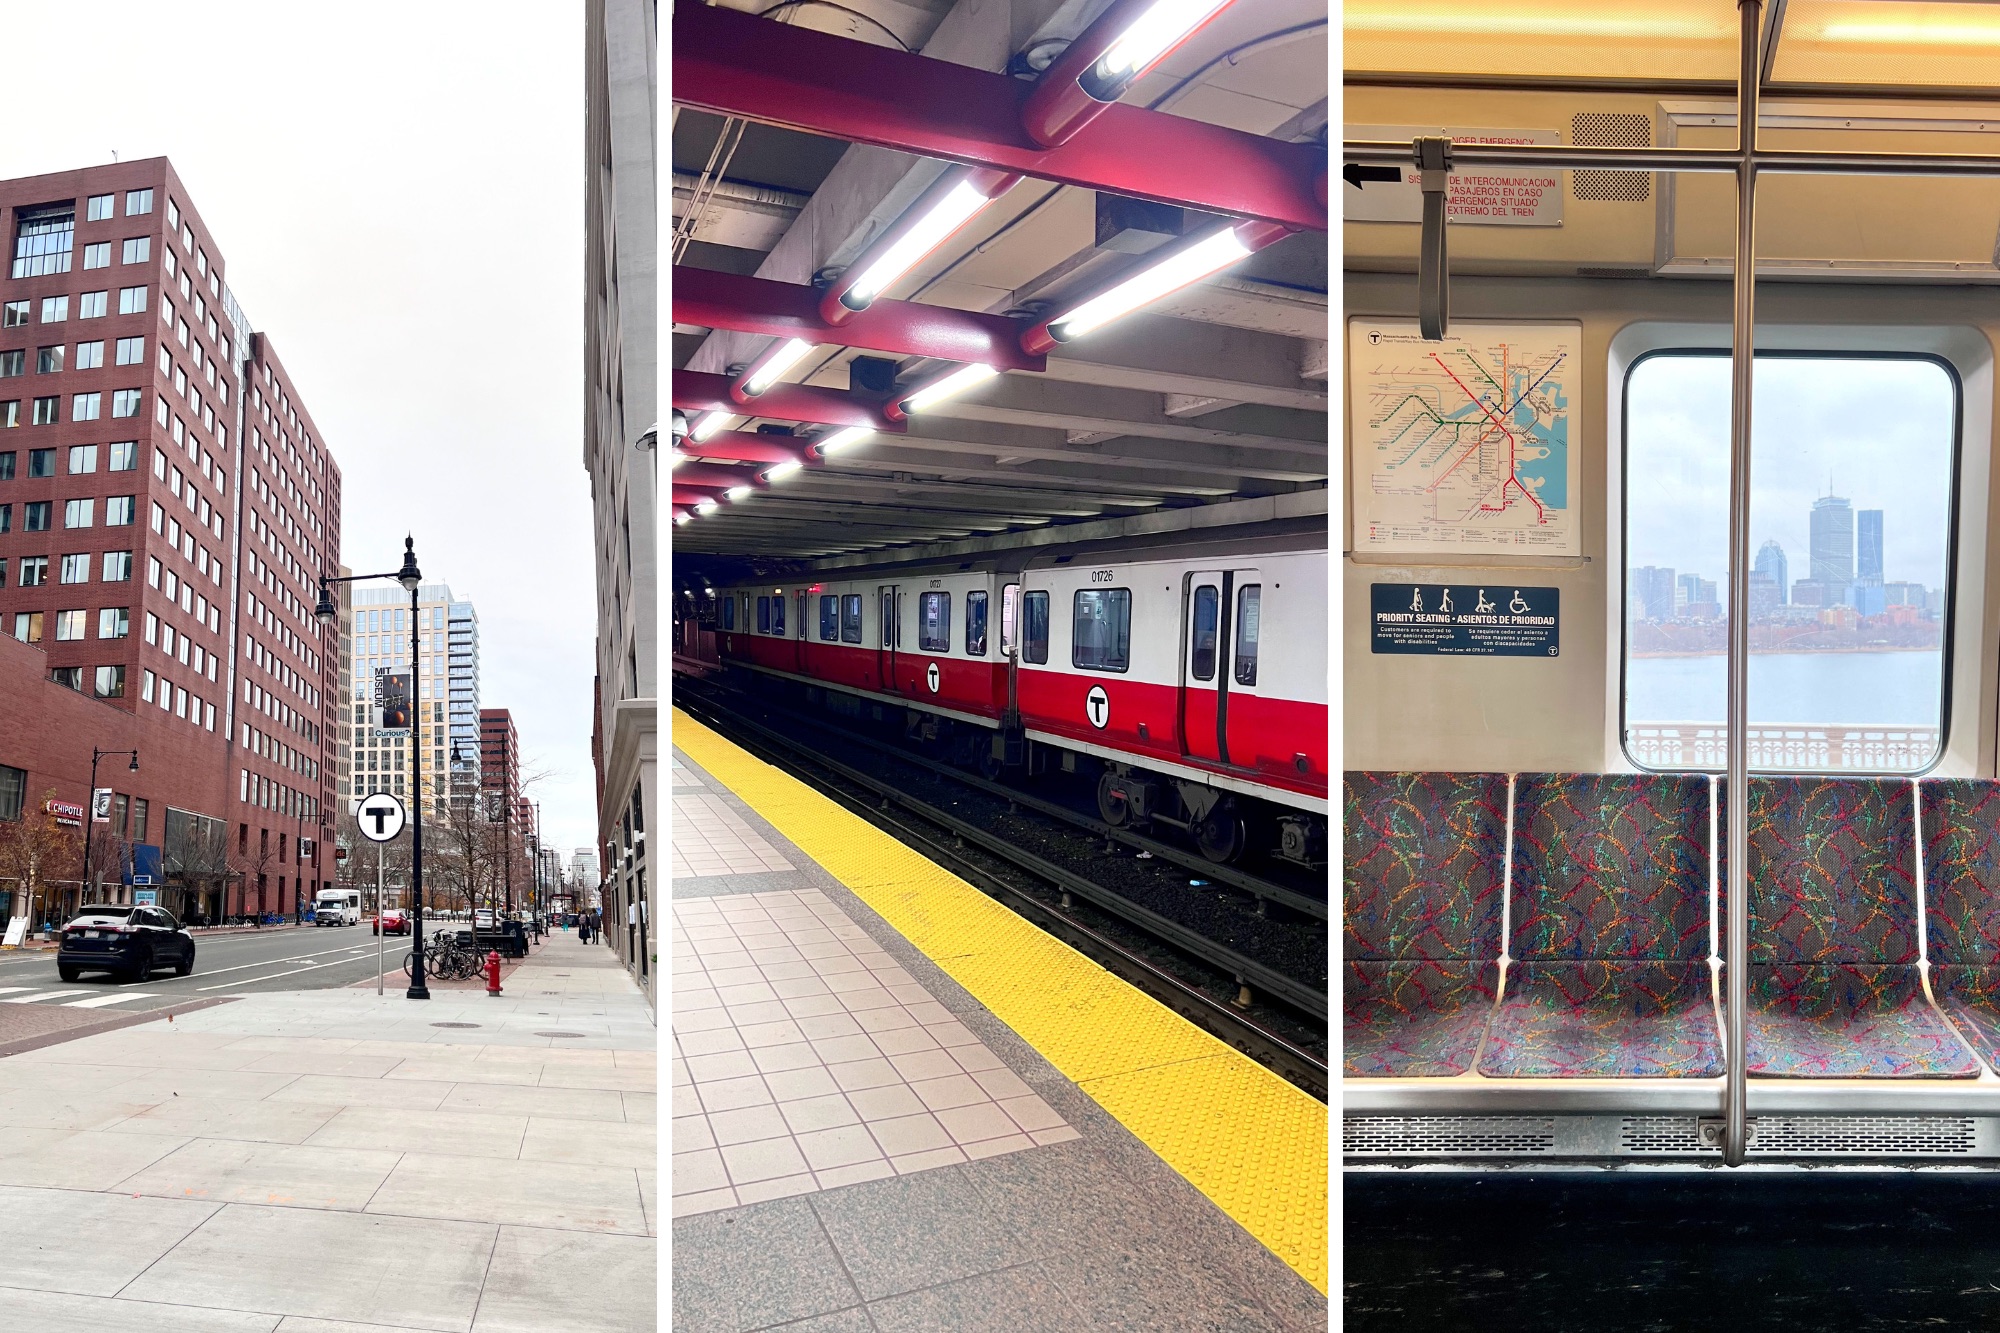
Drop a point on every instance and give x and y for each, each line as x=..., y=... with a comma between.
x=1241, y=1135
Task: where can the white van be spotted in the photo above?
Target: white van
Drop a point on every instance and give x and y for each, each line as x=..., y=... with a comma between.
x=337, y=907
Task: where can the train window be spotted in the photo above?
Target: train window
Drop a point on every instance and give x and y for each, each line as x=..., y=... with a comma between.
x=777, y=615
x=1035, y=627
x=729, y=613
x=763, y=615
x=1101, y=630
x=829, y=617
x=975, y=624
x=1010, y=611
x=1851, y=513
x=1249, y=605
x=1207, y=600
x=934, y=622
x=850, y=618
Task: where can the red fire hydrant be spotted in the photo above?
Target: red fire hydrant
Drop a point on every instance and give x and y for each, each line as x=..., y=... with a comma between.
x=493, y=972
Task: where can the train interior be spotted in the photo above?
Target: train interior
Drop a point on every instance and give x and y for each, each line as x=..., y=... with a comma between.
x=1537, y=863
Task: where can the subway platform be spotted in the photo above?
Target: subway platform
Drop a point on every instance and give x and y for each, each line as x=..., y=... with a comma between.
x=898, y=1106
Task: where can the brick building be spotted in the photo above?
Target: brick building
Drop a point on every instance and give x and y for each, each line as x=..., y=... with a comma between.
x=166, y=505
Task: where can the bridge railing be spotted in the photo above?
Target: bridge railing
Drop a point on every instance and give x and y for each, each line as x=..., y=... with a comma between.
x=1812, y=747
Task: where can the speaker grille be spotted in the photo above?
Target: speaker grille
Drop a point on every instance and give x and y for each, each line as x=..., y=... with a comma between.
x=1611, y=129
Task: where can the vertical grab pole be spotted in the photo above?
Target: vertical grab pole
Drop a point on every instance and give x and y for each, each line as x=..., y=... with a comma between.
x=1736, y=1124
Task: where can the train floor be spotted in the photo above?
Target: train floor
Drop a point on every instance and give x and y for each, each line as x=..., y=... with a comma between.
x=899, y=1106
x=1848, y=1249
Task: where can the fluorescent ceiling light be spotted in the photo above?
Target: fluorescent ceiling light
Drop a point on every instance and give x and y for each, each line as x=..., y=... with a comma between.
x=841, y=440
x=1175, y=271
x=929, y=232
x=738, y=493
x=675, y=458
x=1913, y=33
x=706, y=507
x=784, y=469
x=683, y=517
x=777, y=364
x=1152, y=34
x=1536, y=25
x=710, y=423
x=949, y=387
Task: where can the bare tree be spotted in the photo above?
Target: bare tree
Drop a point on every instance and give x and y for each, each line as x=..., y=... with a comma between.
x=35, y=851
x=250, y=863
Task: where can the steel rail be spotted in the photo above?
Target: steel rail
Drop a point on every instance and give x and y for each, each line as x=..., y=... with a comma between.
x=1742, y=368
x=1293, y=992
x=1164, y=851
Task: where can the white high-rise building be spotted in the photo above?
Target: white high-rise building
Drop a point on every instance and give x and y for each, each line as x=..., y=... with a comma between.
x=381, y=641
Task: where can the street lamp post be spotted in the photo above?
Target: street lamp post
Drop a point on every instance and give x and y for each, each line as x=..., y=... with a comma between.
x=411, y=578
x=90, y=809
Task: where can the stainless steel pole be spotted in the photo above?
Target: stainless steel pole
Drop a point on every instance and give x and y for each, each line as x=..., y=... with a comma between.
x=1742, y=366
x=379, y=932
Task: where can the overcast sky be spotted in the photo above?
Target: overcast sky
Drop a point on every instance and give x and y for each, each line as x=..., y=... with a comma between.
x=397, y=189
x=1879, y=430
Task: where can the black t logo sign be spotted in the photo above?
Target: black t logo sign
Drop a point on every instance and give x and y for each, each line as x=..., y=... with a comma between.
x=379, y=815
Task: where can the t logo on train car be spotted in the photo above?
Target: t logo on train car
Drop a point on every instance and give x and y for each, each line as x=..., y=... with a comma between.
x=1465, y=620
x=931, y=677
x=1097, y=707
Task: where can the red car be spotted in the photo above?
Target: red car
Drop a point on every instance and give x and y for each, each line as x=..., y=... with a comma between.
x=393, y=921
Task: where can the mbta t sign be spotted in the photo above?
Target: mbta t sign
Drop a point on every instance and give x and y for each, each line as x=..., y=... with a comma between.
x=381, y=817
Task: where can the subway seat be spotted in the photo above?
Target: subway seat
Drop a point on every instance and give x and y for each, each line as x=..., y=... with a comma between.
x=1423, y=881
x=1961, y=824
x=1608, y=974
x=1834, y=987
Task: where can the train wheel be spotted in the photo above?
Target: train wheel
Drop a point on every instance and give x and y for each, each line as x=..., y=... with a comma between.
x=1112, y=806
x=1222, y=835
x=990, y=767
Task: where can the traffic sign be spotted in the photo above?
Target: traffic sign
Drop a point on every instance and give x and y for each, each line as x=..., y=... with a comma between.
x=380, y=816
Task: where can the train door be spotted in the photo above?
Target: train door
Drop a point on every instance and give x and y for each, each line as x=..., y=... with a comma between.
x=886, y=597
x=1244, y=625
x=804, y=600
x=1201, y=680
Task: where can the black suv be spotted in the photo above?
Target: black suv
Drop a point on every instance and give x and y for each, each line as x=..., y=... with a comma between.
x=128, y=942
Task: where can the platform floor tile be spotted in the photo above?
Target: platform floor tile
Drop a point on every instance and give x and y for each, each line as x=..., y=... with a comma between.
x=712, y=839
x=1253, y=1144
x=805, y=1058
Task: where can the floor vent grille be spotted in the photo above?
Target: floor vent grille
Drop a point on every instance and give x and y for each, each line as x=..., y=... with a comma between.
x=1446, y=1136
x=1653, y=1135
x=1863, y=1136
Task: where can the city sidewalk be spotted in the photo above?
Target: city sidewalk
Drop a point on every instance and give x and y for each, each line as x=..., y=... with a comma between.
x=332, y=1162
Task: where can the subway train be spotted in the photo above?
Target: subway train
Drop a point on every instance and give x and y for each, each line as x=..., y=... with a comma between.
x=1191, y=678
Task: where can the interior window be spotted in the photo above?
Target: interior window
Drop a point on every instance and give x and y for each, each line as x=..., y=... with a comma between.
x=1853, y=470
x=1101, y=630
x=1248, y=599
x=1035, y=627
x=934, y=622
x=975, y=624
x=829, y=618
x=1202, y=657
x=850, y=618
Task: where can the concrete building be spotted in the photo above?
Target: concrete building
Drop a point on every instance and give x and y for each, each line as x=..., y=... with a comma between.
x=165, y=511
x=382, y=643
x=621, y=314
x=462, y=712
x=1832, y=537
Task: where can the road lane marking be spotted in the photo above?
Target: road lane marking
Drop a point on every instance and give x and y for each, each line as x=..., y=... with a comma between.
x=117, y=997
x=30, y=999
x=251, y=981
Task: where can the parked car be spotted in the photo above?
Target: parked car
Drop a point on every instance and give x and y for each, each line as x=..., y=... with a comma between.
x=393, y=921
x=128, y=942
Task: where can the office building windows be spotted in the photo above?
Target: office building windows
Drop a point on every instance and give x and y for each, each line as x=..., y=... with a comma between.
x=48, y=411
x=99, y=208
x=131, y=351
x=68, y=677
x=110, y=681
x=137, y=202
x=86, y=406
x=44, y=239
x=124, y=456
x=14, y=314
x=117, y=567
x=7, y=466
x=48, y=360
x=125, y=402
x=76, y=568
x=55, y=309
x=173, y=214
x=13, y=363
x=118, y=510
x=138, y=249
x=97, y=255
x=10, y=416
x=91, y=305
x=89, y=356
x=36, y=512
x=131, y=300
x=114, y=622
x=70, y=625
x=82, y=459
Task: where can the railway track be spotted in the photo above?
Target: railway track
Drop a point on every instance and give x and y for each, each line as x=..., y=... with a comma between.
x=1268, y=1014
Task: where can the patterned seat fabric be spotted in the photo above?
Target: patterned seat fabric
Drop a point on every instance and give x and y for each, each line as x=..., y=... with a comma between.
x=1423, y=876
x=1834, y=988
x=1610, y=934
x=1961, y=822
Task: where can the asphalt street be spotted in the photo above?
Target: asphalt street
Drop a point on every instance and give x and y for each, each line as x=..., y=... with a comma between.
x=239, y=963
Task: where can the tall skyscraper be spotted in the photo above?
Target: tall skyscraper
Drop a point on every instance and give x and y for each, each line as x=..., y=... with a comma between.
x=176, y=506
x=1868, y=548
x=462, y=623
x=1771, y=563
x=1653, y=593
x=381, y=760
x=1832, y=533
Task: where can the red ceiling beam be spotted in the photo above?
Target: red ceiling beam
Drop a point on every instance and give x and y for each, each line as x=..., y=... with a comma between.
x=704, y=477
x=735, y=64
x=687, y=497
x=740, y=446
x=700, y=391
x=715, y=300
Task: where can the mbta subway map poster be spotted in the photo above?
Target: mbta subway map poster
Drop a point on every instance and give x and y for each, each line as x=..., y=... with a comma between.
x=1463, y=446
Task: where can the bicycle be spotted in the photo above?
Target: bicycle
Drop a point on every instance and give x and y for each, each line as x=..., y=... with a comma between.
x=449, y=958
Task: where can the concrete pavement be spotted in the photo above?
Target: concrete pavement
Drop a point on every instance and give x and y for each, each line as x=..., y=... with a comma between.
x=326, y=1161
